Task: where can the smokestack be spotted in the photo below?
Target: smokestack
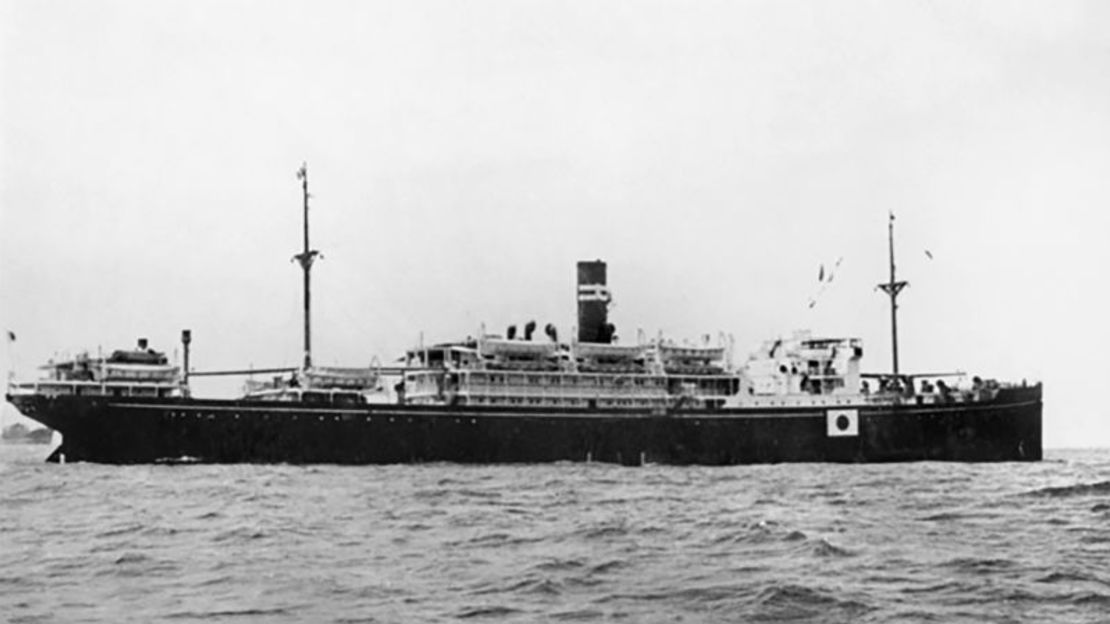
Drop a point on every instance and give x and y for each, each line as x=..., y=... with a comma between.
x=593, y=302
x=142, y=344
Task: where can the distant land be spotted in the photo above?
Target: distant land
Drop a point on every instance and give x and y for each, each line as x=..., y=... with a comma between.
x=21, y=434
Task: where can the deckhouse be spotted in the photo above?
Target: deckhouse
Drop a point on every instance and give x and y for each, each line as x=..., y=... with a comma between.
x=140, y=372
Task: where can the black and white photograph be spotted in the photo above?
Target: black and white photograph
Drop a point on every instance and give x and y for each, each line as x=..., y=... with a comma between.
x=554, y=311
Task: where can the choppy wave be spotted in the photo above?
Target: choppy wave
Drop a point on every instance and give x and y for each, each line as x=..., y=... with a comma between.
x=924, y=542
x=1101, y=488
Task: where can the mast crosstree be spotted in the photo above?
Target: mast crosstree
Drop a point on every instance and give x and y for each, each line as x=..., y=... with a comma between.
x=306, y=258
x=892, y=288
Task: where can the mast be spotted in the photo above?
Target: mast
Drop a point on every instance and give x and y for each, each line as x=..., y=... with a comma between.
x=892, y=288
x=306, y=258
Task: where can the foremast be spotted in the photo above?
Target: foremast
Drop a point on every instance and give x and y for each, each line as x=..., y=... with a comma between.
x=892, y=288
x=306, y=258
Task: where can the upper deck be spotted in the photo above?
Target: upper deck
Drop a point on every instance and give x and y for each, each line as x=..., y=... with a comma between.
x=141, y=372
x=496, y=371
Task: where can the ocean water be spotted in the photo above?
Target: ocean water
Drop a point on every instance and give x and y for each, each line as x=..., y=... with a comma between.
x=926, y=542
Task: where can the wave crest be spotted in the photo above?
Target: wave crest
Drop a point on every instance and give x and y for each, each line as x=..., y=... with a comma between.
x=1079, y=489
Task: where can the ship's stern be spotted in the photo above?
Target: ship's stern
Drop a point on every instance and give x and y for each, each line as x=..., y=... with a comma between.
x=58, y=413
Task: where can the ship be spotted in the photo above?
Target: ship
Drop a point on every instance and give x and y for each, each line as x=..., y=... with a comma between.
x=529, y=396
x=19, y=434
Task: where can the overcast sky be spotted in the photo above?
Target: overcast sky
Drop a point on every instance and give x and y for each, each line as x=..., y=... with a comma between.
x=464, y=155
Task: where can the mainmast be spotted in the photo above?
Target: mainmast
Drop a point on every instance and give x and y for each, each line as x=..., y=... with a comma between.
x=892, y=288
x=306, y=258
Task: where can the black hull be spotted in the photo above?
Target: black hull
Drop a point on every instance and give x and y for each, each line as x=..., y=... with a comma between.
x=98, y=429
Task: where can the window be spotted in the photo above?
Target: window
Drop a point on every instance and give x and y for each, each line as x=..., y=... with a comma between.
x=314, y=397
